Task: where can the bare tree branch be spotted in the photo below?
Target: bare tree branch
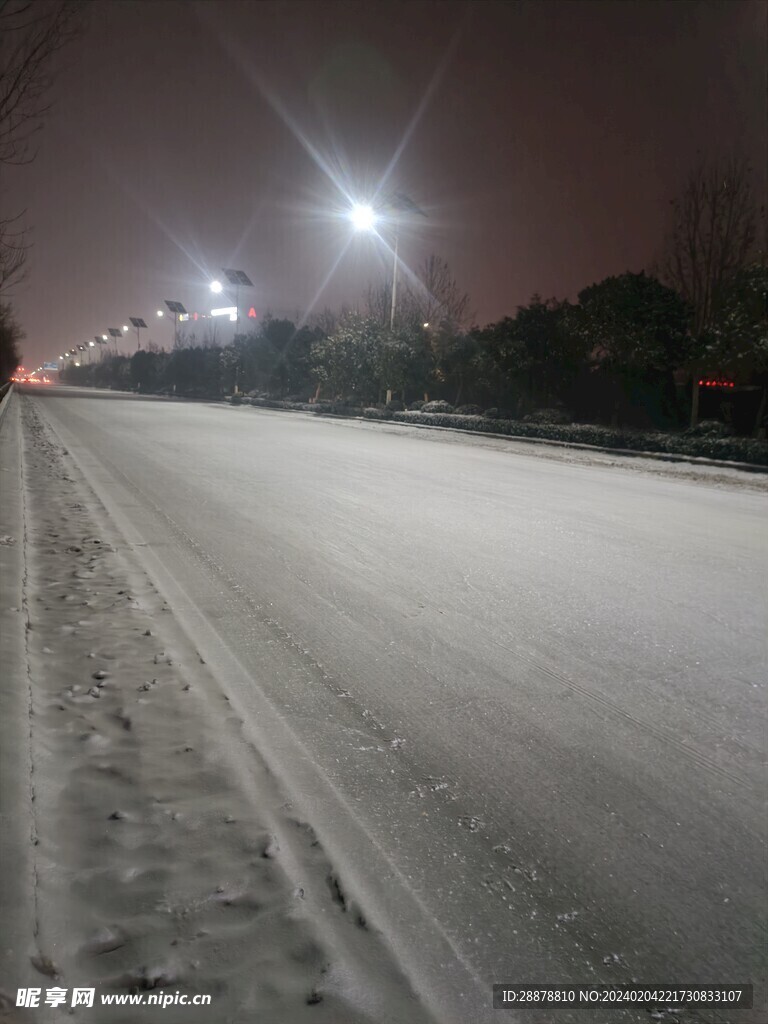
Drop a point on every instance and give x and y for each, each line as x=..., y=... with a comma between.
x=437, y=296
x=431, y=295
x=377, y=301
x=30, y=36
x=13, y=252
x=712, y=235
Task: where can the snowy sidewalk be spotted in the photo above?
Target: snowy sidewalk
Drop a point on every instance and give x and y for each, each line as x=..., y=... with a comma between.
x=164, y=855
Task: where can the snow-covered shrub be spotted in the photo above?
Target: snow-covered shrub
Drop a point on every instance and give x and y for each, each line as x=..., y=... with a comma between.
x=438, y=406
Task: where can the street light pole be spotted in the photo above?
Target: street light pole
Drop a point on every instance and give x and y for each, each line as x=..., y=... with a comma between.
x=364, y=218
x=177, y=310
x=394, y=284
x=239, y=279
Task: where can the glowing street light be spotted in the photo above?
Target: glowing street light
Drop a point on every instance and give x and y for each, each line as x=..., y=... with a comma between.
x=217, y=287
x=363, y=217
x=160, y=312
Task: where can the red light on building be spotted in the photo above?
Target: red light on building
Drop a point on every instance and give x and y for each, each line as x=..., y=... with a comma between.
x=716, y=384
x=252, y=313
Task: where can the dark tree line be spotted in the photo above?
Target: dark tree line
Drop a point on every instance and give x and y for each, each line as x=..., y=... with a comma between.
x=609, y=358
x=274, y=359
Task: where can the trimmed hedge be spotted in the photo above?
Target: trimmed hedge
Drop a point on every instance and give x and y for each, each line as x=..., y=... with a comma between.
x=559, y=416
x=732, y=449
x=276, y=403
x=708, y=446
x=710, y=428
x=438, y=406
x=336, y=409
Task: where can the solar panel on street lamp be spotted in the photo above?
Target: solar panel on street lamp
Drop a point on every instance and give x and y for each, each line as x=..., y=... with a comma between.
x=139, y=323
x=177, y=309
x=239, y=279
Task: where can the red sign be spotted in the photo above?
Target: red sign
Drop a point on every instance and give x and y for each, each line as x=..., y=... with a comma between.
x=252, y=313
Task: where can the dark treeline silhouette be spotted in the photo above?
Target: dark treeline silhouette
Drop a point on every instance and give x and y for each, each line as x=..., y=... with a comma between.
x=623, y=355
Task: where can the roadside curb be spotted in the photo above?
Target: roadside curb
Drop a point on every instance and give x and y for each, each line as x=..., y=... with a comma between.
x=5, y=402
x=695, y=460
x=17, y=882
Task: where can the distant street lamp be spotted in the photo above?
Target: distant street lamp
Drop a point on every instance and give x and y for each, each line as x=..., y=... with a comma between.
x=217, y=287
x=139, y=324
x=177, y=309
x=238, y=279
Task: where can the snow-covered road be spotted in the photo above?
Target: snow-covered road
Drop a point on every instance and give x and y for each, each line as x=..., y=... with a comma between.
x=522, y=699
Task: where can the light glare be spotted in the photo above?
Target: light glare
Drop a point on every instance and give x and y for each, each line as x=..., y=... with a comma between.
x=363, y=217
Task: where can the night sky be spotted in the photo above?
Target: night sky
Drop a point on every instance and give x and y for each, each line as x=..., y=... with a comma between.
x=542, y=140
